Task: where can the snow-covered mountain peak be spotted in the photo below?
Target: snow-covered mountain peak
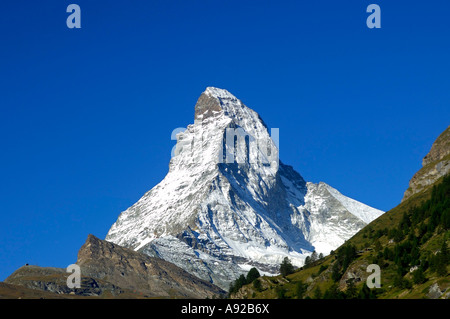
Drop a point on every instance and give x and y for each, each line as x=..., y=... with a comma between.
x=219, y=93
x=227, y=203
x=231, y=131
x=217, y=102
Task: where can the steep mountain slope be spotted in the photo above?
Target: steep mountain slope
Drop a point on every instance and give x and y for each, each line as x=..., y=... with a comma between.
x=228, y=203
x=409, y=243
x=435, y=165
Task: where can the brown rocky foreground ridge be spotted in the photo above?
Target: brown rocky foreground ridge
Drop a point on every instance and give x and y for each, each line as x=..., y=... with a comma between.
x=109, y=271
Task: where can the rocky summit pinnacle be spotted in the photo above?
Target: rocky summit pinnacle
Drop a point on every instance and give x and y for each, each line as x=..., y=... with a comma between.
x=210, y=102
x=228, y=203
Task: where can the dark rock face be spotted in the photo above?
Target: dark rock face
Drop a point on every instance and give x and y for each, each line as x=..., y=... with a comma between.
x=206, y=106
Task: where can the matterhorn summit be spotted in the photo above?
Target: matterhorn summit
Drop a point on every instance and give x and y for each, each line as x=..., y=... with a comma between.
x=228, y=203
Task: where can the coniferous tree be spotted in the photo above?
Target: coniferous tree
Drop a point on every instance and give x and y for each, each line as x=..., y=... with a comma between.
x=419, y=276
x=307, y=260
x=252, y=275
x=364, y=293
x=231, y=290
x=378, y=246
x=336, y=272
x=237, y=284
x=351, y=292
x=281, y=292
x=286, y=268
x=322, y=269
x=333, y=293
x=444, y=252
x=441, y=260
x=445, y=217
x=317, y=293
x=388, y=254
x=313, y=256
x=300, y=289
x=241, y=281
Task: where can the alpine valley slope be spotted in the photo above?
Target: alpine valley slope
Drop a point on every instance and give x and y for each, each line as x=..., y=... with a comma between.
x=228, y=203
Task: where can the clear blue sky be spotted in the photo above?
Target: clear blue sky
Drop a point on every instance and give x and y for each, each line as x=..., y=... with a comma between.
x=86, y=114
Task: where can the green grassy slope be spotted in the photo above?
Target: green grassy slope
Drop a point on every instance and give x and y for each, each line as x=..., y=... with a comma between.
x=409, y=243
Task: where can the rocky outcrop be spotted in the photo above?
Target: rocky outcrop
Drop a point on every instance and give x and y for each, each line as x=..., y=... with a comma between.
x=439, y=149
x=435, y=165
x=206, y=106
x=135, y=271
